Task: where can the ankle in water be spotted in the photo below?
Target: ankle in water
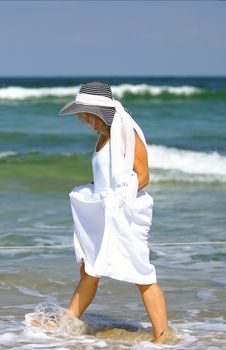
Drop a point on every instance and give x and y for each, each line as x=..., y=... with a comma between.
x=168, y=336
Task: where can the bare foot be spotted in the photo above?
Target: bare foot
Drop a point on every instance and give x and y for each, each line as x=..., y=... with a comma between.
x=36, y=323
x=47, y=325
x=168, y=336
x=51, y=325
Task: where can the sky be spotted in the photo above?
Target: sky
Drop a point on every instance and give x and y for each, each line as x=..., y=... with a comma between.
x=113, y=38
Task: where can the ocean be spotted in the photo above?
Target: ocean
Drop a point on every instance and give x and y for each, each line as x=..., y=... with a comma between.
x=43, y=156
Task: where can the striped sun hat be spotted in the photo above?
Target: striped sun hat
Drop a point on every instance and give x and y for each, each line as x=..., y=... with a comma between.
x=93, y=88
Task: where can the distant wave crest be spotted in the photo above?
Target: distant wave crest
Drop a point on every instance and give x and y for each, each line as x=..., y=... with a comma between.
x=7, y=154
x=22, y=93
x=141, y=89
x=120, y=91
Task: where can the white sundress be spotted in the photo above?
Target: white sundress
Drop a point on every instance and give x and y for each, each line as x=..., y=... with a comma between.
x=110, y=240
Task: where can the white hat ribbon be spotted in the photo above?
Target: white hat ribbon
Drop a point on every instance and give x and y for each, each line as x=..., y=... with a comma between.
x=122, y=143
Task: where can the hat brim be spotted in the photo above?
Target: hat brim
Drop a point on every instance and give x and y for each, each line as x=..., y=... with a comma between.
x=105, y=113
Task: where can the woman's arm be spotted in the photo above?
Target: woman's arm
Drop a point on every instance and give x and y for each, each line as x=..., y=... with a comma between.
x=140, y=165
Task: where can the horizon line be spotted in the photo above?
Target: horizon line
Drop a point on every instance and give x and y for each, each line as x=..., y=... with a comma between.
x=112, y=76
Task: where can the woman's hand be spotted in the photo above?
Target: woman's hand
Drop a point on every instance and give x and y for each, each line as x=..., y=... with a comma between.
x=140, y=165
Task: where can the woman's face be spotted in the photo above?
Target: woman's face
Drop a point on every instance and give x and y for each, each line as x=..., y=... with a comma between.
x=94, y=121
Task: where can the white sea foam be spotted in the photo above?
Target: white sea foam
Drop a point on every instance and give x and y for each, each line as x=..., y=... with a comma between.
x=169, y=163
x=7, y=154
x=22, y=93
x=120, y=90
x=178, y=165
x=29, y=291
x=55, y=327
x=55, y=318
x=196, y=334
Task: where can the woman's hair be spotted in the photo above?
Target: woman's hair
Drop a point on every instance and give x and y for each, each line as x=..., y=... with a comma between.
x=96, y=122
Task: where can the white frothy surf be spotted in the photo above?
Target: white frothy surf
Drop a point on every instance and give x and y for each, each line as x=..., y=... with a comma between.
x=153, y=90
x=207, y=333
x=53, y=318
x=22, y=93
x=7, y=154
x=29, y=291
x=172, y=164
x=177, y=165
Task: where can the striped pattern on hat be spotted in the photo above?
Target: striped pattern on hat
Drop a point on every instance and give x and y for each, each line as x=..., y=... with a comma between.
x=92, y=88
x=105, y=113
x=96, y=88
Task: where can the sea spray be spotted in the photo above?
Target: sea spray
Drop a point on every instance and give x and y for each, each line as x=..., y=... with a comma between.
x=56, y=319
x=59, y=321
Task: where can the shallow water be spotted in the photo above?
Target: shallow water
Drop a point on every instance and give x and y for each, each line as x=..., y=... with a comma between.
x=192, y=277
x=40, y=164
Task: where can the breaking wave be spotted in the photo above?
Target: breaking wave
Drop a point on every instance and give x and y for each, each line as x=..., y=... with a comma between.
x=173, y=164
x=120, y=91
x=167, y=164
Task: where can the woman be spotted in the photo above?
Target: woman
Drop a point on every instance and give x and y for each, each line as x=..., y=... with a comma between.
x=112, y=215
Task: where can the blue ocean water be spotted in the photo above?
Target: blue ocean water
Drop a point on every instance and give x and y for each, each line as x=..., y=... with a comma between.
x=43, y=155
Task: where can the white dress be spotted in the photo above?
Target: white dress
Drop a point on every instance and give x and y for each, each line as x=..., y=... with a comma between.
x=110, y=240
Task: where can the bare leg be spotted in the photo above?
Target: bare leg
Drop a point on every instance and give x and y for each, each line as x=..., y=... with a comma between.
x=155, y=305
x=83, y=294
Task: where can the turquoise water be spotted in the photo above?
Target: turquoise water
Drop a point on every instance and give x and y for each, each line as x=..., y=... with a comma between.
x=43, y=156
